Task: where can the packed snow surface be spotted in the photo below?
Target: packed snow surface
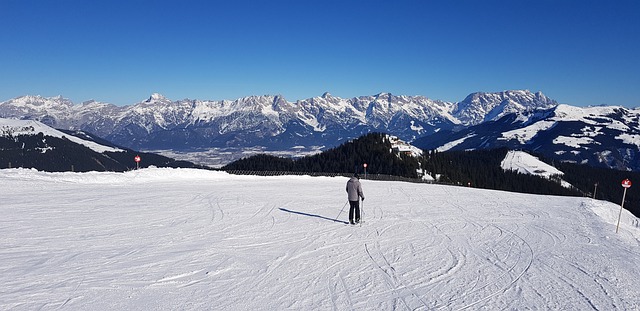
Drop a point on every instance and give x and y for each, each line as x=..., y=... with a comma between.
x=167, y=239
x=451, y=144
x=524, y=163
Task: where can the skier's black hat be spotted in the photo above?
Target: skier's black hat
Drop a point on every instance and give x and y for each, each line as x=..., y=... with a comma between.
x=356, y=175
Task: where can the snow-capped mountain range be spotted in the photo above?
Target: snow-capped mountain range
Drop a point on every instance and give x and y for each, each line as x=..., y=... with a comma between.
x=606, y=136
x=268, y=121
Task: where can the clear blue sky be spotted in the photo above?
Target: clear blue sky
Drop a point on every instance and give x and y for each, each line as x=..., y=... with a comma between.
x=576, y=52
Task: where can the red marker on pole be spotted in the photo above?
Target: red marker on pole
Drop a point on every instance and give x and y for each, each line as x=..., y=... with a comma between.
x=365, y=170
x=137, y=159
x=626, y=184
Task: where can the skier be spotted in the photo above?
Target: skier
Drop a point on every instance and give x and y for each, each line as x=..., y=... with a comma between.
x=354, y=191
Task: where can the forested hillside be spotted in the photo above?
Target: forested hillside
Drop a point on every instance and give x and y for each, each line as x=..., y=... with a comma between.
x=481, y=168
x=374, y=149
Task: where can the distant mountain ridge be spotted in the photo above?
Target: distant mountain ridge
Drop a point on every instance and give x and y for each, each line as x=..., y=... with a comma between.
x=269, y=121
x=606, y=136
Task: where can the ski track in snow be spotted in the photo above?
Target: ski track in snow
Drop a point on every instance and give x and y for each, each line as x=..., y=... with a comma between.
x=216, y=241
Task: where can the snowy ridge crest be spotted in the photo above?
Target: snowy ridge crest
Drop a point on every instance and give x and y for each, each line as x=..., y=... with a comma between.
x=11, y=128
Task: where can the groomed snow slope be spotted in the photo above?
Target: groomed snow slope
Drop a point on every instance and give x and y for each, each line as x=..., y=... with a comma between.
x=524, y=163
x=166, y=239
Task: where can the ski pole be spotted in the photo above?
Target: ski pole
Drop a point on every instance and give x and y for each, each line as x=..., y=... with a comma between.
x=342, y=210
x=362, y=213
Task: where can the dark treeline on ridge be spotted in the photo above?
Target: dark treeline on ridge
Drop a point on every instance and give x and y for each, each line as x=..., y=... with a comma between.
x=373, y=149
x=481, y=168
x=609, y=183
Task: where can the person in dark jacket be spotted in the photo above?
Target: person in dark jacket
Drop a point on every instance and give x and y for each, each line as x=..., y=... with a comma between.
x=354, y=191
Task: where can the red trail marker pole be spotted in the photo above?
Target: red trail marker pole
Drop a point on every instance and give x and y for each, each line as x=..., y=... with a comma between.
x=137, y=159
x=626, y=184
x=365, y=170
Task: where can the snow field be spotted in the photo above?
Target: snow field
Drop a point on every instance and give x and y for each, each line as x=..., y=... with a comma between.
x=169, y=239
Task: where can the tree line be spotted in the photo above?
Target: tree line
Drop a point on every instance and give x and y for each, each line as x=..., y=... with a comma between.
x=373, y=149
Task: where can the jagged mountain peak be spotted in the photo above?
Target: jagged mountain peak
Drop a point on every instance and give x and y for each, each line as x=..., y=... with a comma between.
x=259, y=100
x=38, y=100
x=157, y=97
x=513, y=94
x=482, y=106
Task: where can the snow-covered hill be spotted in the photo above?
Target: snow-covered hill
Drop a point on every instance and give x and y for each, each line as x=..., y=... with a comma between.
x=599, y=136
x=524, y=163
x=13, y=128
x=167, y=239
x=32, y=144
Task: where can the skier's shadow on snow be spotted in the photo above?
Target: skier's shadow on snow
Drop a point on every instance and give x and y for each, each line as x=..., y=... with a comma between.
x=313, y=215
